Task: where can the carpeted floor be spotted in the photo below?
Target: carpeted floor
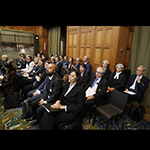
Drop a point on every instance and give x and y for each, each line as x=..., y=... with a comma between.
x=11, y=119
x=129, y=124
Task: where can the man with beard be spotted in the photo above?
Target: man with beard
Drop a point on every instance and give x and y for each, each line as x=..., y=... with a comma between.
x=52, y=91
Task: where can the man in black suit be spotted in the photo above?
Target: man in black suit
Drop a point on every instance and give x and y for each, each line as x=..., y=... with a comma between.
x=117, y=80
x=77, y=65
x=53, y=90
x=57, y=62
x=99, y=85
x=137, y=83
x=39, y=78
x=88, y=66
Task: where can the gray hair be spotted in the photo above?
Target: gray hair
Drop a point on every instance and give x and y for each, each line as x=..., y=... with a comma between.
x=78, y=58
x=122, y=66
x=106, y=62
x=144, y=68
x=102, y=69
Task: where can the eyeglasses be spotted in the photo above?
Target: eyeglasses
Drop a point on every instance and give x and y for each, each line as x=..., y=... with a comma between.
x=139, y=70
x=99, y=72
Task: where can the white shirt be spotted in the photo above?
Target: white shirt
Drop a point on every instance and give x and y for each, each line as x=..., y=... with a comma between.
x=133, y=86
x=29, y=67
x=96, y=85
x=117, y=75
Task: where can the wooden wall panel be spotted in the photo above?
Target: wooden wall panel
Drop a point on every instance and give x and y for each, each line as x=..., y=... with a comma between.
x=106, y=54
x=100, y=43
x=81, y=55
x=108, y=37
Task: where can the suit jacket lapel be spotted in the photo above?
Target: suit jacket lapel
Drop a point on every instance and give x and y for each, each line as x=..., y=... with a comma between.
x=99, y=85
x=70, y=90
x=51, y=82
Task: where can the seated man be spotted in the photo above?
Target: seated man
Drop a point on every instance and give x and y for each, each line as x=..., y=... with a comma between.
x=117, y=79
x=99, y=86
x=88, y=66
x=36, y=80
x=52, y=91
x=138, y=84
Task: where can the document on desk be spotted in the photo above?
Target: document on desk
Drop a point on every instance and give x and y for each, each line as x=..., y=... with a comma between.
x=89, y=92
x=130, y=92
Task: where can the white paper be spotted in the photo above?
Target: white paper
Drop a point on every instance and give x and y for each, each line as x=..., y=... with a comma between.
x=26, y=75
x=89, y=92
x=130, y=92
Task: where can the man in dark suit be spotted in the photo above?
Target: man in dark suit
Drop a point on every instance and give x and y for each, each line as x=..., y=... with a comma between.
x=39, y=78
x=88, y=66
x=52, y=91
x=99, y=85
x=57, y=62
x=117, y=80
x=35, y=68
x=65, y=62
x=137, y=83
x=77, y=65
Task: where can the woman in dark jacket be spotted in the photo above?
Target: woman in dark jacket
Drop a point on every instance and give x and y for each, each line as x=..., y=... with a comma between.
x=8, y=86
x=71, y=101
x=8, y=82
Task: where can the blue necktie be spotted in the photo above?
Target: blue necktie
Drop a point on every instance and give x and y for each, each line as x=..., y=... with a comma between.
x=94, y=82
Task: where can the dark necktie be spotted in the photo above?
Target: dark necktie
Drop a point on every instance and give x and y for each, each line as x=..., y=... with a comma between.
x=136, y=87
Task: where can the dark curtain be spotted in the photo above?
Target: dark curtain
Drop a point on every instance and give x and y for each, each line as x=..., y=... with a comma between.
x=140, y=54
x=54, y=40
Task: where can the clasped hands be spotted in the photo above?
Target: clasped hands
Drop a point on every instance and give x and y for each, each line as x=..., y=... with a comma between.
x=57, y=105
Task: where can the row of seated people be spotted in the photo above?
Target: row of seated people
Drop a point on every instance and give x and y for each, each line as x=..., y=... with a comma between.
x=71, y=96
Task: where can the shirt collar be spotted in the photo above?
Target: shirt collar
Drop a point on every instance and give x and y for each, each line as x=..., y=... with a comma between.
x=118, y=72
x=98, y=80
x=140, y=76
x=50, y=78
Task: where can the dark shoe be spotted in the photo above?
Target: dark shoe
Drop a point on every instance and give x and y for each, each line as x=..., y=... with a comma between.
x=30, y=118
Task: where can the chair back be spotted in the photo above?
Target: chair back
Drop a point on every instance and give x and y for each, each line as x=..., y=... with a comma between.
x=62, y=72
x=118, y=99
x=127, y=73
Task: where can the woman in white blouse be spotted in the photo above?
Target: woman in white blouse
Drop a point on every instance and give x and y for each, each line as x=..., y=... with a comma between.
x=29, y=65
